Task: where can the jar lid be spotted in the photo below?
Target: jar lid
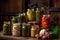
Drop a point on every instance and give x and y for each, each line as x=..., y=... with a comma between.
x=44, y=15
x=24, y=23
x=16, y=24
x=48, y=15
x=28, y=24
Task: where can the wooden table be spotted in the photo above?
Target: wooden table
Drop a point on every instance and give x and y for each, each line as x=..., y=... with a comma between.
x=10, y=37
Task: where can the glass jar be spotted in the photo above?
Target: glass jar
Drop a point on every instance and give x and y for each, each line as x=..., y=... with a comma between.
x=30, y=14
x=13, y=20
x=16, y=29
x=37, y=15
x=6, y=28
x=19, y=18
x=33, y=31
x=26, y=30
x=46, y=21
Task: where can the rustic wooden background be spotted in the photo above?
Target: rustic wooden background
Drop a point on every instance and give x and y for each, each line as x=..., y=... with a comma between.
x=15, y=6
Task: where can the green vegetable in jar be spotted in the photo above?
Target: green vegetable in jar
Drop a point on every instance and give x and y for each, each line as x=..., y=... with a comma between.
x=37, y=15
x=6, y=28
x=13, y=20
x=25, y=30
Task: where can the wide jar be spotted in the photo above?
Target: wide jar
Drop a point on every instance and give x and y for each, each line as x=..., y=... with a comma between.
x=16, y=29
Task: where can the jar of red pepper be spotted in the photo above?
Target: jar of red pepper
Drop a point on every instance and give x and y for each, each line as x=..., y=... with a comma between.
x=46, y=21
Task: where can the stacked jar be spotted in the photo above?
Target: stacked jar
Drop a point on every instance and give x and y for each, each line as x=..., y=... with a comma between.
x=7, y=28
x=16, y=29
x=34, y=29
x=46, y=21
x=25, y=30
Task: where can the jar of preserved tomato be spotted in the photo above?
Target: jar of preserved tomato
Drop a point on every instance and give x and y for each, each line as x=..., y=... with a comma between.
x=46, y=21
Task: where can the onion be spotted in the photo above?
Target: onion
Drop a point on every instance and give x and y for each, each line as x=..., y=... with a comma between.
x=47, y=34
x=42, y=32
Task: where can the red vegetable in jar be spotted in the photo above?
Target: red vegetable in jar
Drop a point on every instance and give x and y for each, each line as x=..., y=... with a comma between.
x=46, y=21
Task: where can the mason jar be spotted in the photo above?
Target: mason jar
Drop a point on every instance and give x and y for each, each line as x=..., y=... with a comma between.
x=46, y=21
x=25, y=30
x=6, y=28
x=30, y=15
x=16, y=29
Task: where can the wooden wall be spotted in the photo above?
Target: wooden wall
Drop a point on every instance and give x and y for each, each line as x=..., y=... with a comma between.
x=53, y=3
x=56, y=3
x=11, y=6
x=39, y=2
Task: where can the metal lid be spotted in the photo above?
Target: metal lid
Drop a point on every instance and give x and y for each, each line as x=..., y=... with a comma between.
x=44, y=15
x=16, y=24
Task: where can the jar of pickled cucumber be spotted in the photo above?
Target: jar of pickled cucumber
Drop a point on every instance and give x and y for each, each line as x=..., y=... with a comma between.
x=21, y=18
x=16, y=29
x=26, y=30
x=38, y=15
x=13, y=20
x=6, y=28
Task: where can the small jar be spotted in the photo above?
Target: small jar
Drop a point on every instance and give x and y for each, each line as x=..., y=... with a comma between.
x=25, y=30
x=46, y=21
x=6, y=28
x=33, y=31
x=38, y=11
x=16, y=29
x=13, y=20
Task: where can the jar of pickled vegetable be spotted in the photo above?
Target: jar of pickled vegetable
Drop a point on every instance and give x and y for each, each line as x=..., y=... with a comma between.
x=21, y=18
x=16, y=29
x=33, y=31
x=37, y=15
x=6, y=28
x=13, y=20
x=46, y=21
x=30, y=14
x=25, y=30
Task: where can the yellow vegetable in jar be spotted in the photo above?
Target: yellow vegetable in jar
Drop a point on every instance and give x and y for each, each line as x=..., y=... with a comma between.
x=33, y=31
x=30, y=15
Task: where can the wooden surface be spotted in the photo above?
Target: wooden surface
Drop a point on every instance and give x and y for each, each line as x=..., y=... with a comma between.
x=10, y=37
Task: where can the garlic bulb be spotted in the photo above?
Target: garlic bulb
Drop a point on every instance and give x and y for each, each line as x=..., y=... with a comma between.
x=42, y=32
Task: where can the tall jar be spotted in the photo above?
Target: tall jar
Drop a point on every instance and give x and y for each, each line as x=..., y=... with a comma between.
x=21, y=18
x=16, y=29
x=6, y=28
x=38, y=15
x=30, y=14
x=46, y=21
x=13, y=20
x=26, y=30
x=33, y=31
